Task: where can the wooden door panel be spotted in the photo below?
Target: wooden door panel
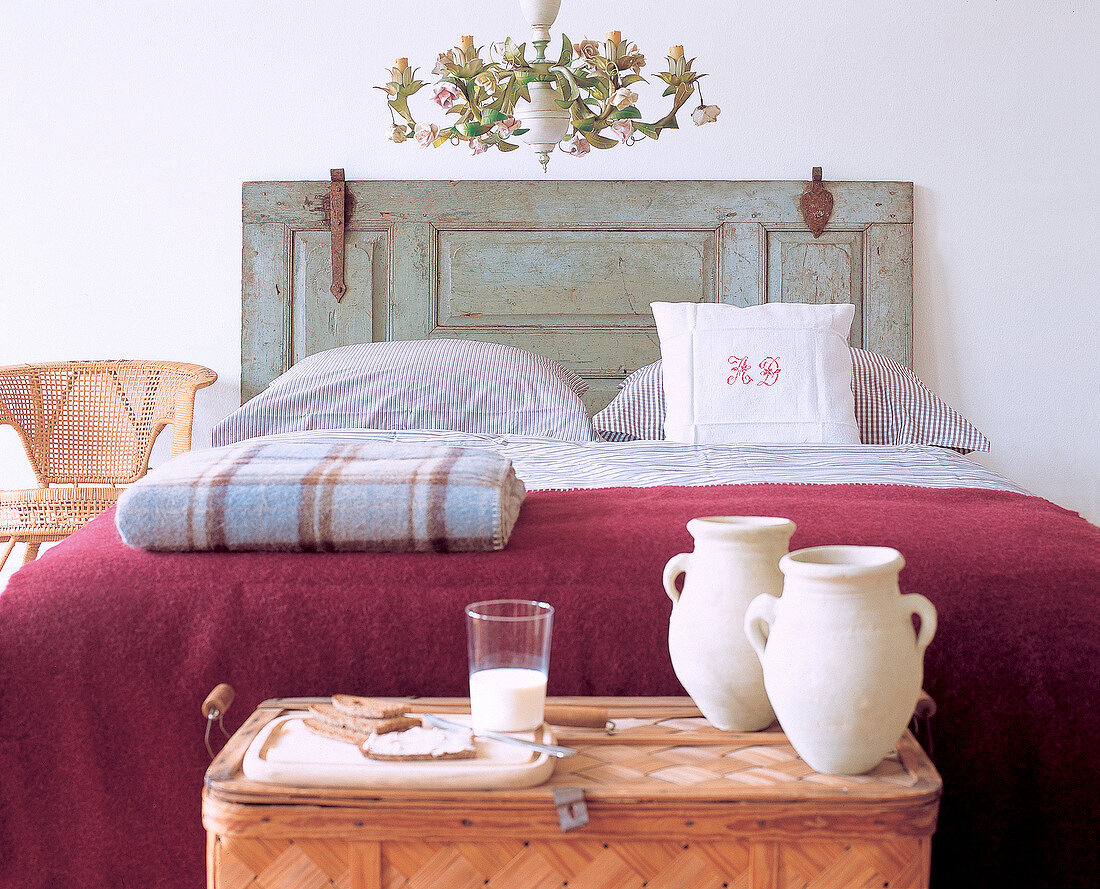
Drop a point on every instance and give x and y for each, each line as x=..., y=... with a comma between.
x=576, y=279
x=566, y=269
x=319, y=321
x=829, y=269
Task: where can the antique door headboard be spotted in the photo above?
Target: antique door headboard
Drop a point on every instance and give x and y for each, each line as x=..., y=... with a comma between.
x=566, y=269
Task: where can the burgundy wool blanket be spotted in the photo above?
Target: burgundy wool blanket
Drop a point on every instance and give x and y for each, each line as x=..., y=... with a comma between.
x=106, y=653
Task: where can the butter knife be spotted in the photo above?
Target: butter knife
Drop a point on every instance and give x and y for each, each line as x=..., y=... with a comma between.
x=552, y=749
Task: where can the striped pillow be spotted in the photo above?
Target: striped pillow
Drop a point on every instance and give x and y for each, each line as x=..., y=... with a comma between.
x=638, y=410
x=893, y=406
x=447, y=384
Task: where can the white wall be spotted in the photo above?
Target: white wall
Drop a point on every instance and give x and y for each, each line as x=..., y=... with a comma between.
x=127, y=128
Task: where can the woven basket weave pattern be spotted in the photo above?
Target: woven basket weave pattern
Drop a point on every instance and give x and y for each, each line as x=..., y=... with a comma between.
x=88, y=423
x=282, y=863
x=674, y=804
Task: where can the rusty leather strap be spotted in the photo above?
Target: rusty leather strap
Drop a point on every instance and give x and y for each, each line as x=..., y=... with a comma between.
x=336, y=229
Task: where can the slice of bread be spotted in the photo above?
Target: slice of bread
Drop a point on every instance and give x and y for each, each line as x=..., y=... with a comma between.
x=328, y=714
x=368, y=708
x=333, y=732
x=420, y=743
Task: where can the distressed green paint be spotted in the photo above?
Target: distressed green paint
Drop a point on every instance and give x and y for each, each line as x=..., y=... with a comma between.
x=828, y=269
x=566, y=269
x=568, y=278
x=320, y=322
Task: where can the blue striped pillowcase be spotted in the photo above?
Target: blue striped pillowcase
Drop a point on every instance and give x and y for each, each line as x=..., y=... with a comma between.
x=445, y=384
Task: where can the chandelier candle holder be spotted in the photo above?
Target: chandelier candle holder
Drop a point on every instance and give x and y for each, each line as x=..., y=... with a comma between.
x=581, y=100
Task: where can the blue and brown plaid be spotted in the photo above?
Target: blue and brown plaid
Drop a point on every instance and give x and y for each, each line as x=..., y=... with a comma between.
x=325, y=497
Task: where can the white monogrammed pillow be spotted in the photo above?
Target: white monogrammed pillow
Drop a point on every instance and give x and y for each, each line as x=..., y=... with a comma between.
x=775, y=373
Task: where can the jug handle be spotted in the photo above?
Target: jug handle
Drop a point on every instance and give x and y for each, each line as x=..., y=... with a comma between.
x=760, y=613
x=915, y=603
x=675, y=566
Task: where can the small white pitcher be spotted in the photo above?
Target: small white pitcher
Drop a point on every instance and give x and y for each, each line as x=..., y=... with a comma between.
x=735, y=559
x=842, y=664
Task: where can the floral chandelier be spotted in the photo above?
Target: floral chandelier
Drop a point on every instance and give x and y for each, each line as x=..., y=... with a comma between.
x=571, y=102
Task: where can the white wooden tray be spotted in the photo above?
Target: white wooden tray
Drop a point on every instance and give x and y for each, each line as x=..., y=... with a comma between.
x=286, y=752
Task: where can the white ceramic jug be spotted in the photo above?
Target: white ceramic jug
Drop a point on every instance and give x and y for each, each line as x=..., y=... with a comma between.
x=842, y=663
x=735, y=559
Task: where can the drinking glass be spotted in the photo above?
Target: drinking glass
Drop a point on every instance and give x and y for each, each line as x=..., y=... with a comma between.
x=509, y=647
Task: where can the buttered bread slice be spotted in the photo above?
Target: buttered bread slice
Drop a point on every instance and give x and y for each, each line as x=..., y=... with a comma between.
x=420, y=743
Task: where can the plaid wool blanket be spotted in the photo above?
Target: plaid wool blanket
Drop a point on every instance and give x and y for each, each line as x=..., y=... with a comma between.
x=324, y=497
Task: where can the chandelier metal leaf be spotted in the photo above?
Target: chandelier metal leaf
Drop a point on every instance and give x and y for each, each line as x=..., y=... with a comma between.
x=581, y=100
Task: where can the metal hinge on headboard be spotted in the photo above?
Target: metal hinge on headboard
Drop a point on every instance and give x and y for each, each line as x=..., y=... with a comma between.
x=816, y=204
x=339, y=205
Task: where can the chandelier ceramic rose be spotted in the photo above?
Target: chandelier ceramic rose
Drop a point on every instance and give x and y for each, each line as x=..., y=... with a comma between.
x=583, y=100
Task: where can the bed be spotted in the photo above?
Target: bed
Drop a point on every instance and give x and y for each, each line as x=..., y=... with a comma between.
x=106, y=651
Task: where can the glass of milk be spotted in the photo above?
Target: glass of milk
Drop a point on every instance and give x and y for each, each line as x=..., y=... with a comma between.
x=509, y=647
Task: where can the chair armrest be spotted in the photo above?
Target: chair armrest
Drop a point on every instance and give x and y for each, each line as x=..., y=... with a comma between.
x=192, y=378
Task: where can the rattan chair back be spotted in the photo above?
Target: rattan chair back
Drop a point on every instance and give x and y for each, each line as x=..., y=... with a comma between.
x=94, y=422
x=88, y=423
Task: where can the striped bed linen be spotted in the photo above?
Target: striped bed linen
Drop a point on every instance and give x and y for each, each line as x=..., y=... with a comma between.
x=892, y=405
x=548, y=464
x=463, y=385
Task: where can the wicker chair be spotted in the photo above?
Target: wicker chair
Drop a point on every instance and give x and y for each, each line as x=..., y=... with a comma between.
x=88, y=423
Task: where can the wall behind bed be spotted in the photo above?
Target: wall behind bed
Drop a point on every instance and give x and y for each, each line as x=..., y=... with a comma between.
x=126, y=130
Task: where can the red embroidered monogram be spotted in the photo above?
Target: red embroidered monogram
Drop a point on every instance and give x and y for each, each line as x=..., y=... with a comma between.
x=740, y=368
x=769, y=370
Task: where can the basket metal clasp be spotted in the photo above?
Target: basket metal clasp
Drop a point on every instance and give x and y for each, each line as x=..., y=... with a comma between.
x=572, y=811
